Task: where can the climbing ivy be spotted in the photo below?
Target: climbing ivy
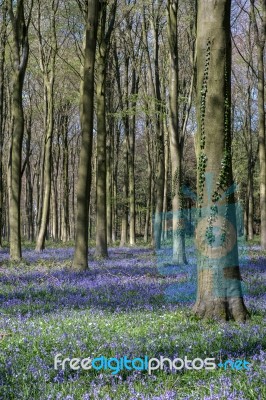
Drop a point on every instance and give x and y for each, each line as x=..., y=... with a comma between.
x=222, y=182
x=202, y=161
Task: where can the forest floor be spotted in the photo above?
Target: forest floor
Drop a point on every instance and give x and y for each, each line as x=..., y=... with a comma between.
x=122, y=306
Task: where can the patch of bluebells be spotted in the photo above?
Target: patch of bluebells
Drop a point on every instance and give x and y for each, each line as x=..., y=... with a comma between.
x=40, y=297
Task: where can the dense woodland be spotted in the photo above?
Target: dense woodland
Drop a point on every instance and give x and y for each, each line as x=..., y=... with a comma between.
x=113, y=113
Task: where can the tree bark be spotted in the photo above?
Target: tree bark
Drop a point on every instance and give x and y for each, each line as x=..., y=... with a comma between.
x=3, y=39
x=20, y=54
x=155, y=88
x=219, y=293
x=65, y=123
x=131, y=162
x=176, y=141
x=47, y=64
x=80, y=261
x=260, y=44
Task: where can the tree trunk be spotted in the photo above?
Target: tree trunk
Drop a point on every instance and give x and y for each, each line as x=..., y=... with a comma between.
x=20, y=55
x=29, y=188
x=80, y=261
x=40, y=243
x=47, y=63
x=109, y=174
x=219, y=293
x=101, y=216
x=166, y=186
x=159, y=181
x=17, y=137
x=250, y=205
x=101, y=187
x=149, y=178
x=124, y=222
x=131, y=163
x=2, y=65
x=260, y=40
x=65, y=122
x=176, y=141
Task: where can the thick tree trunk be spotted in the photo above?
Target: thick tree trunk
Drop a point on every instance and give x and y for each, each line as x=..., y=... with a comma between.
x=80, y=261
x=262, y=148
x=2, y=64
x=260, y=39
x=17, y=137
x=219, y=293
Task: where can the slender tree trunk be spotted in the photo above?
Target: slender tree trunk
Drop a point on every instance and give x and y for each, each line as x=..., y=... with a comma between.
x=40, y=244
x=65, y=121
x=101, y=217
x=48, y=71
x=20, y=55
x=219, y=293
x=159, y=182
x=131, y=163
x=115, y=146
x=101, y=185
x=29, y=188
x=176, y=141
x=109, y=174
x=124, y=222
x=250, y=205
x=55, y=210
x=80, y=261
x=155, y=88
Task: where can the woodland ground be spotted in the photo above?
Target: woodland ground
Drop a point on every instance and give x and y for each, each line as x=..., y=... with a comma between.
x=119, y=307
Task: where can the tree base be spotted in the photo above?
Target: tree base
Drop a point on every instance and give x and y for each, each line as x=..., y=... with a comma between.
x=79, y=267
x=222, y=309
x=179, y=260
